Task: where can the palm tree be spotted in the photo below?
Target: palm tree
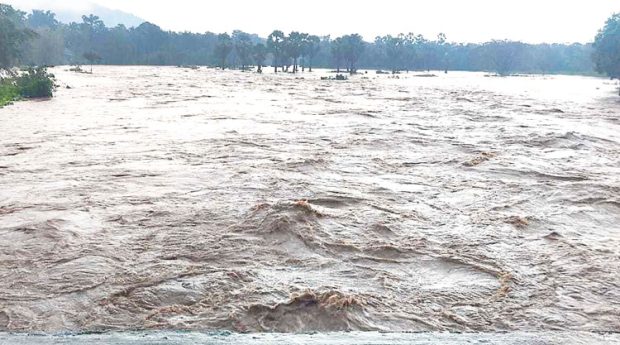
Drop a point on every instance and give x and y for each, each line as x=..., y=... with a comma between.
x=275, y=46
x=295, y=47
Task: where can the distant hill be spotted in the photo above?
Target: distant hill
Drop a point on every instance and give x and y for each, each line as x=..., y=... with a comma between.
x=109, y=16
x=68, y=14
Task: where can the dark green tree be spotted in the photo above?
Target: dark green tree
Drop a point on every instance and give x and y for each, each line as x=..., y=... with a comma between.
x=223, y=48
x=295, y=47
x=13, y=35
x=243, y=47
x=92, y=58
x=352, y=48
x=607, y=48
x=421, y=47
x=337, y=52
x=42, y=19
x=311, y=47
x=275, y=45
x=441, y=52
x=394, y=50
x=151, y=44
x=504, y=56
x=259, y=54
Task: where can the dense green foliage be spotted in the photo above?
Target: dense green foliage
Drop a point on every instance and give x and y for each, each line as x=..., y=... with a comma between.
x=14, y=36
x=57, y=43
x=607, y=48
x=35, y=83
x=31, y=83
x=8, y=93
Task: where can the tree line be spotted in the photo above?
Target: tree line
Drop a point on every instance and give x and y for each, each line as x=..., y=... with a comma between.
x=43, y=40
x=91, y=41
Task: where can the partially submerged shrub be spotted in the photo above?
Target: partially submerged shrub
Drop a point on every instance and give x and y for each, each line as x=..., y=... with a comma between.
x=8, y=93
x=77, y=68
x=35, y=83
x=338, y=77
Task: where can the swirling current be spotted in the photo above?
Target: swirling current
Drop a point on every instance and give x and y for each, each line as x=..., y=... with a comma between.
x=170, y=198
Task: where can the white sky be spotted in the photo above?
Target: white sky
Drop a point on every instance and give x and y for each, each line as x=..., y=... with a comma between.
x=462, y=20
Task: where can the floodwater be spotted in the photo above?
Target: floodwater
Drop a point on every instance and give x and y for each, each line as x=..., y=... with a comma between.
x=340, y=338
x=170, y=198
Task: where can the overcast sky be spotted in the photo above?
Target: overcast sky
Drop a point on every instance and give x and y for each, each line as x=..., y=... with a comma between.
x=462, y=20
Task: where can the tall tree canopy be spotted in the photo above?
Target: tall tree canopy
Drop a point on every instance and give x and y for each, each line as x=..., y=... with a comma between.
x=503, y=55
x=223, y=48
x=259, y=54
x=13, y=35
x=352, y=48
x=312, y=46
x=243, y=47
x=607, y=48
x=275, y=45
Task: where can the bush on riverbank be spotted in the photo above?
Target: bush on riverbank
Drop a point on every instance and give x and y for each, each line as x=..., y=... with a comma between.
x=32, y=83
x=36, y=83
x=8, y=93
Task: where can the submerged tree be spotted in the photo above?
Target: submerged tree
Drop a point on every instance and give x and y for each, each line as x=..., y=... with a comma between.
x=337, y=51
x=422, y=48
x=243, y=48
x=59, y=43
x=441, y=51
x=503, y=55
x=259, y=54
x=222, y=49
x=275, y=44
x=607, y=48
x=393, y=49
x=92, y=58
x=294, y=47
x=352, y=49
x=312, y=46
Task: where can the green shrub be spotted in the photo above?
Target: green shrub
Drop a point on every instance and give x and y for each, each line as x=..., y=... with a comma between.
x=36, y=83
x=8, y=92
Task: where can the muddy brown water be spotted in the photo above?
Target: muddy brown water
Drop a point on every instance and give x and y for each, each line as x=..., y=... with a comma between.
x=169, y=198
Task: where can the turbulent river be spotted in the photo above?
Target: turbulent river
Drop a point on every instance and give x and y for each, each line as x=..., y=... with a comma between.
x=170, y=198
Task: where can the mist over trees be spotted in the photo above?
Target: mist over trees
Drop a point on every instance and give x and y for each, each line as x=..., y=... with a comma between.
x=55, y=43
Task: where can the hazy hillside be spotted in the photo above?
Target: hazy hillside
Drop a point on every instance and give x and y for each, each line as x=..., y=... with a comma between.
x=67, y=14
x=109, y=16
